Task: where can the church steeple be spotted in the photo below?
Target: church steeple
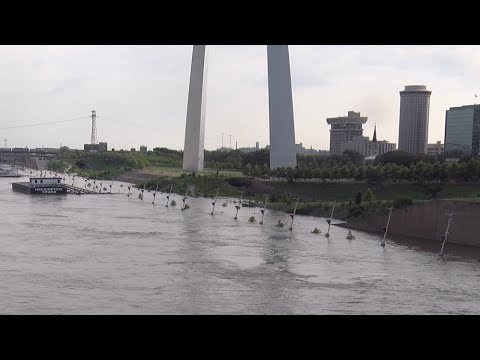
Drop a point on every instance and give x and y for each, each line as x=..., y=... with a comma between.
x=375, y=134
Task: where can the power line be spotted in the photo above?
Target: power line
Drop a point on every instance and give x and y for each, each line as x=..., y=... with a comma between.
x=45, y=123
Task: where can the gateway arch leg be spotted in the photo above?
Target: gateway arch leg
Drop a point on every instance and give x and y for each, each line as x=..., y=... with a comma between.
x=195, y=128
x=282, y=130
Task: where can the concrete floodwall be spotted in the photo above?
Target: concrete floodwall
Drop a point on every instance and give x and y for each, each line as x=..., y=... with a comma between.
x=428, y=221
x=37, y=164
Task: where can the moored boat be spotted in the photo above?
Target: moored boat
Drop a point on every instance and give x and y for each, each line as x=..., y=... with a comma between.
x=41, y=185
x=8, y=171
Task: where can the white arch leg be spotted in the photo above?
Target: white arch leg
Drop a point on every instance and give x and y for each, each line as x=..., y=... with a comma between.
x=282, y=130
x=195, y=128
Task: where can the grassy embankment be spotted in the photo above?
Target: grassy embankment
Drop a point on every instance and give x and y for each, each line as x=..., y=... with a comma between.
x=115, y=165
x=329, y=191
x=316, y=198
x=177, y=171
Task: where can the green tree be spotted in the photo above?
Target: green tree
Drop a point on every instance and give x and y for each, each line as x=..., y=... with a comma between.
x=317, y=173
x=436, y=171
x=403, y=173
x=427, y=173
x=290, y=173
x=326, y=173
x=247, y=170
x=264, y=169
x=471, y=169
x=335, y=172
x=454, y=172
x=418, y=171
x=355, y=157
x=395, y=157
x=445, y=171
x=360, y=173
x=256, y=170
x=369, y=196
x=358, y=198
x=344, y=172
x=373, y=175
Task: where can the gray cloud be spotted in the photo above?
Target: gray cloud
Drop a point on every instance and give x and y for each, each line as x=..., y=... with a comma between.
x=66, y=85
x=141, y=91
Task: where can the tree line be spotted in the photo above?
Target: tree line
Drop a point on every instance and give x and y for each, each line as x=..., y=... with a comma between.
x=421, y=171
x=394, y=166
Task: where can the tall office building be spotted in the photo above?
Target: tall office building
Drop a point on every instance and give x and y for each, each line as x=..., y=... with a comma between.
x=462, y=132
x=414, y=110
x=343, y=129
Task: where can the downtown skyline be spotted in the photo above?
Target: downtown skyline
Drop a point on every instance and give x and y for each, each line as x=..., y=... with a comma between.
x=140, y=92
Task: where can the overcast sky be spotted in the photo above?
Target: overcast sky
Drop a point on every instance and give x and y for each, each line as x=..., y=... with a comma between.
x=140, y=92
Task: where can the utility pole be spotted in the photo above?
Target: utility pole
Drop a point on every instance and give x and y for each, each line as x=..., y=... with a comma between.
x=185, y=200
x=263, y=210
x=238, y=206
x=154, y=195
x=222, y=139
x=293, y=215
x=329, y=221
x=386, y=228
x=170, y=193
x=230, y=141
x=450, y=221
x=5, y=142
x=215, y=201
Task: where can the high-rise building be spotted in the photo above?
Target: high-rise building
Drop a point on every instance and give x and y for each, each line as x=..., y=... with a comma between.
x=343, y=129
x=435, y=149
x=413, y=125
x=462, y=131
x=143, y=148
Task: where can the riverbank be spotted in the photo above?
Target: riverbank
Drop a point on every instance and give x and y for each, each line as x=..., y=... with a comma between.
x=351, y=199
x=422, y=220
x=427, y=222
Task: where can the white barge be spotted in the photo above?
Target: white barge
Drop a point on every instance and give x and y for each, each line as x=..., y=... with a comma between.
x=41, y=185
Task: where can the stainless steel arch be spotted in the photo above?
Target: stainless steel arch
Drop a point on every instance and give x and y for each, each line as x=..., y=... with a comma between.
x=281, y=120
